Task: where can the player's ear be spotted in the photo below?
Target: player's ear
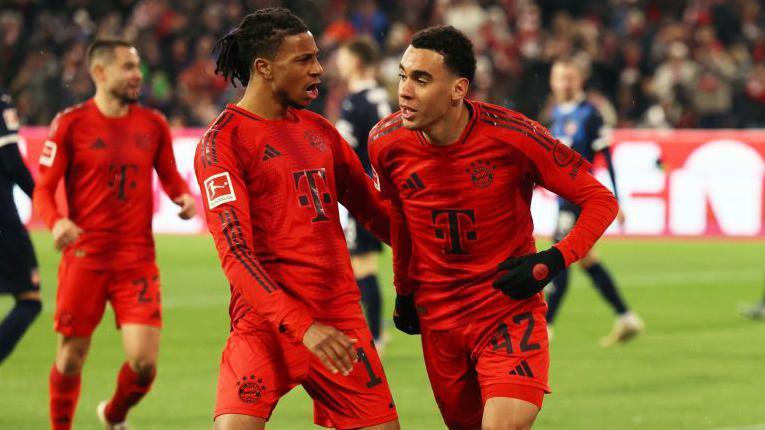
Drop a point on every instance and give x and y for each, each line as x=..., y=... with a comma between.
x=264, y=68
x=460, y=89
x=97, y=72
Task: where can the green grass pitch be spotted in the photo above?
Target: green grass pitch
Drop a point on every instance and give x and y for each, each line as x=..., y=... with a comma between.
x=698, y=366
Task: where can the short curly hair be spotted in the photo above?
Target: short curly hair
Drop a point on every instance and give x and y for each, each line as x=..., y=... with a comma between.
x=452, y=44
x=259, y=34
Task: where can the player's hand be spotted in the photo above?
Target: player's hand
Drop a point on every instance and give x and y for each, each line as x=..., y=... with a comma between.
x=528, y=275
x=333, y=347
x=405, y=315
x=65, y=233
x=187, y=204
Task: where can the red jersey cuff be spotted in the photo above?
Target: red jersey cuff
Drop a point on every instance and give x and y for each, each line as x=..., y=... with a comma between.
x=295, y=324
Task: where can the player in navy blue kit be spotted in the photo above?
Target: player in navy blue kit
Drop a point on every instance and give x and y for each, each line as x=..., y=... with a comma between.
x=366, y=104
x=18, y=264
x=578, y=124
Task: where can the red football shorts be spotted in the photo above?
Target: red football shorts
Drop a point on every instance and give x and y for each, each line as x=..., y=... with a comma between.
x=82, y=295
x=468, y=365
x=259, y=366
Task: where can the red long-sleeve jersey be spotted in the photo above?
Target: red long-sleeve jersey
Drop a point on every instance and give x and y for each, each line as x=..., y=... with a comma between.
x=459, y=210
x=271, y=191
x=107, y=166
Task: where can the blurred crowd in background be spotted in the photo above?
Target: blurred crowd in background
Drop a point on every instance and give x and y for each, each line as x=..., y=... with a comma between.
x=650, y=63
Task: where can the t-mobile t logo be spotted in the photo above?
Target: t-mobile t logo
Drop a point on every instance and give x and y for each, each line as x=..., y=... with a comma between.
x=314, y=197
x=451, y=228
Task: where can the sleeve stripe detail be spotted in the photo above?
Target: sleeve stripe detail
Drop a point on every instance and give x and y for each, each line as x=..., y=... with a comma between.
x=232, y=232
x=11, y=138
x=209, y=152
x=258, y=267
x=493, y=117
x=525, y=132
x=377, y=131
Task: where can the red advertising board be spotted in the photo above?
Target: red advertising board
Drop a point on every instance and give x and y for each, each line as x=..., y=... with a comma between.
x=670, y=183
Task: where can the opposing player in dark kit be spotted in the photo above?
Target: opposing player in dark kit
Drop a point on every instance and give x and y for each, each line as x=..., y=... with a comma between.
x=18, y=264
x=579, y=125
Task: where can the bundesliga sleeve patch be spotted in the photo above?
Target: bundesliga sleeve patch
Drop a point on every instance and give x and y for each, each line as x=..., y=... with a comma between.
x=219, y=190
x=48, y=153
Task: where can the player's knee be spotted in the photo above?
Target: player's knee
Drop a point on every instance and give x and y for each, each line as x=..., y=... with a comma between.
x=71, y=354
x=70, y=361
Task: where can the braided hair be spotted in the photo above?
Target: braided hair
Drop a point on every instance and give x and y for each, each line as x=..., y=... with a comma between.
x=257, y=36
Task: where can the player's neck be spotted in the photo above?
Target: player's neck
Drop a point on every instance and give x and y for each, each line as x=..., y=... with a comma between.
x=450, y=127
x=110, y=107
x=260, y=100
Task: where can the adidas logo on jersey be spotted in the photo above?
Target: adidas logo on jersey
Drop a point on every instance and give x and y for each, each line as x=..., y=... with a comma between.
x=522, y=369
x=413, y=184
x=98, y=144
x=270, y=153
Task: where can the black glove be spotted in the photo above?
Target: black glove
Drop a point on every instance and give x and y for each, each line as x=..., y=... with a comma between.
x=405, y=315
x=527, y=275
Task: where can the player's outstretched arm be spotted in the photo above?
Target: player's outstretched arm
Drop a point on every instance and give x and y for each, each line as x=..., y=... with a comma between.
x=227, y=210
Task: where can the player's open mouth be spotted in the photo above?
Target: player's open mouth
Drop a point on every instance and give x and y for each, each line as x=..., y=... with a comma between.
x=313, y=91
x=408, y=113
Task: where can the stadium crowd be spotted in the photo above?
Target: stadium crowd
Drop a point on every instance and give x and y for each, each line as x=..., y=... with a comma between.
x=651, y=63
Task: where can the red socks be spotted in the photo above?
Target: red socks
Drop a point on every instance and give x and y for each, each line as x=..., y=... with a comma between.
x=130, y=390
x=64, y=392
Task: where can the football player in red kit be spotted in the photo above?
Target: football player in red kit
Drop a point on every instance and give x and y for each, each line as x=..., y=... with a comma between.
x=273, y=174
x=460, y=175
x=106, y=150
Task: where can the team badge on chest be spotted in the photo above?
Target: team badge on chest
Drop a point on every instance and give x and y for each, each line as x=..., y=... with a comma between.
x=315, y=139
x=481, y=173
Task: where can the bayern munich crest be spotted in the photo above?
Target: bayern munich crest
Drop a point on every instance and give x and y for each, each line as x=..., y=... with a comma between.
x=250, y=389
x=481, y=173
x=315, y=139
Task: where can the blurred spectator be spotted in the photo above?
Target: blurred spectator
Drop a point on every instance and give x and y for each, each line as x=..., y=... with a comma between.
x=693, y=63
